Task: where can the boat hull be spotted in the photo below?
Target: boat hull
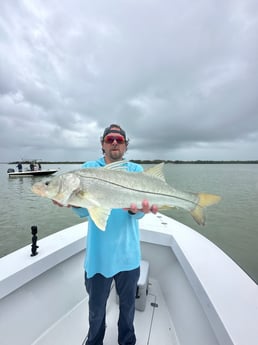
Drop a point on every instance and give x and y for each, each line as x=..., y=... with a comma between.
x=29, y=173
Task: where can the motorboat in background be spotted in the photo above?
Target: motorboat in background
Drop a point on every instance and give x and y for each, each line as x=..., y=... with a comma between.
x=34, y=169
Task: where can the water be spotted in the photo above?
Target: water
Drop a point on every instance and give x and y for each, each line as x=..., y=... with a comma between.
x=20, y=209
x=232, y=224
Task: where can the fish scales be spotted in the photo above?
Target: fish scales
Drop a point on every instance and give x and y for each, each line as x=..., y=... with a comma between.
x=103, y=189
x=121, y=188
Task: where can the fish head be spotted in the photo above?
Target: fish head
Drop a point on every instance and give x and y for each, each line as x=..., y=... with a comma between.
x=60, y=188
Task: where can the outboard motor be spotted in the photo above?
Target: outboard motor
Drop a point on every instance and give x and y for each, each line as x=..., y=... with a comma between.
x=10, y=170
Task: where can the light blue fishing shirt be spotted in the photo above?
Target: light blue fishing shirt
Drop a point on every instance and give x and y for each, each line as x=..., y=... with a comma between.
x=117, y=248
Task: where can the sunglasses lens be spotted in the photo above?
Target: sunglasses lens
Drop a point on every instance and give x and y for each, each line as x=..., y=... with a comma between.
x=110, y=139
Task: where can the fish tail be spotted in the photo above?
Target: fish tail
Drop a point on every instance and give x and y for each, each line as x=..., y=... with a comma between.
x=204, y=201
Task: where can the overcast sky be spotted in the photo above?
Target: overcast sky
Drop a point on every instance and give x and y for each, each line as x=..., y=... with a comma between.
x=180, y=76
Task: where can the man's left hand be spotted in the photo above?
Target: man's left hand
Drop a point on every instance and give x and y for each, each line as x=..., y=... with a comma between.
x=146, y=208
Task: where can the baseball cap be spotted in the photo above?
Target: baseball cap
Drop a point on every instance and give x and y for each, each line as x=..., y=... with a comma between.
x=113, y=128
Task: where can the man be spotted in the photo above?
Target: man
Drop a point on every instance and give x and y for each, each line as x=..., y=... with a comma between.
x=113, y=254
x=19, y=166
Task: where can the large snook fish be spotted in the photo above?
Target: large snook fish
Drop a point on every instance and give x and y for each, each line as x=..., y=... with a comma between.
x=102, y=189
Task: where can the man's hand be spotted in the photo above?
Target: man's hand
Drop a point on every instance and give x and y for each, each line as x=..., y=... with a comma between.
x=146, y=208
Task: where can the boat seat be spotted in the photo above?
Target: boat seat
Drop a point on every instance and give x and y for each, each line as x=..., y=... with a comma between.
x=142, y=287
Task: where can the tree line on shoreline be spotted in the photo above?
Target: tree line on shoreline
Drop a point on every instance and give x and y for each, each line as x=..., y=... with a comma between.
x=157, y=161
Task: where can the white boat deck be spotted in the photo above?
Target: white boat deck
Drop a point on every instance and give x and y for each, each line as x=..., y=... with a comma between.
x=152, y=326
x=209, y=298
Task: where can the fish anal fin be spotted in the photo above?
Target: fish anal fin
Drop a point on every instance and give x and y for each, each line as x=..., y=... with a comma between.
x=198, y=215
x=99, y=216
x=204, y=201
x=156, y=171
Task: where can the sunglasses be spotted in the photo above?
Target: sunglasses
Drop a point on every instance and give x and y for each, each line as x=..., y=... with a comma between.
x=109, y=139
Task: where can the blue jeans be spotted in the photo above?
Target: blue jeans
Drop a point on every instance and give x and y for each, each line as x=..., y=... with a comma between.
x=98, y=288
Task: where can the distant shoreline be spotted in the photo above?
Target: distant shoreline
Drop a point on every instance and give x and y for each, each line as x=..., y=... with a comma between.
x=155, y=161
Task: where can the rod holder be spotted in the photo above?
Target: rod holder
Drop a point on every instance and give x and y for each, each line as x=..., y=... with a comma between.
x=34, y=246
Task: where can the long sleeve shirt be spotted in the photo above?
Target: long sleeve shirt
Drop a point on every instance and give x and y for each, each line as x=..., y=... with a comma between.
x=118, y=247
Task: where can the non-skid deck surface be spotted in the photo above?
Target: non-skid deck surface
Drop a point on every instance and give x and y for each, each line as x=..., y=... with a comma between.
x=153, y=326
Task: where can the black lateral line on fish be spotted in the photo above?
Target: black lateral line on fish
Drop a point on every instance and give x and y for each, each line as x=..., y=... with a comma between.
x=138, y=190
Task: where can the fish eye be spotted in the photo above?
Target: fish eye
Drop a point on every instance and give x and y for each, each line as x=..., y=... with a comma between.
x=47, y=183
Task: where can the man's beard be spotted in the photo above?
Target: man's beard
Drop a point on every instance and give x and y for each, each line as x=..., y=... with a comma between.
x=116, y=154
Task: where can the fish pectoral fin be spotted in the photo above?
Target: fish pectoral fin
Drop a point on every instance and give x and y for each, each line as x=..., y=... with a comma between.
x=204, y=201
x=99, y=216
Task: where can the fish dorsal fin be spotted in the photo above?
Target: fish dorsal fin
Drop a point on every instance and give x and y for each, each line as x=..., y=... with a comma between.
x=120, y=165
x=156, y=171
